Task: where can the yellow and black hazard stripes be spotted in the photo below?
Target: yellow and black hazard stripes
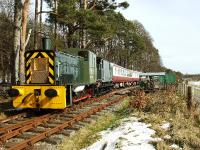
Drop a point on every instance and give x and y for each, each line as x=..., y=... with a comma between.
x=50, y=56
x=29, y=55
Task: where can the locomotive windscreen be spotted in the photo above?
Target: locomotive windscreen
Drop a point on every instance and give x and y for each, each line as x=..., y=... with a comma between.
x=40, y=64
x=39, y=70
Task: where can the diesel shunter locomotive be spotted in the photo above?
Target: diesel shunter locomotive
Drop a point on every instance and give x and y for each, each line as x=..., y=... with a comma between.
x=55, y=79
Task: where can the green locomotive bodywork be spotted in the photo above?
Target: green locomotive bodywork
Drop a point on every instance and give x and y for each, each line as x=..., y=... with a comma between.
x=68, y=68
x=104, y=70
x=77, y=68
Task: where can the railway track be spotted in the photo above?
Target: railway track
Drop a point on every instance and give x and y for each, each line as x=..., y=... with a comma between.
x=14, y=117
x=26, y=133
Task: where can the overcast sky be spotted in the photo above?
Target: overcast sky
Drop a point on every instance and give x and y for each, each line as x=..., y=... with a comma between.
x=175, y=28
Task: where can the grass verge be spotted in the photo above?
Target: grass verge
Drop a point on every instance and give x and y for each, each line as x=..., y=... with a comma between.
x=2, y=116
x=154, y=108
x=87, y=135
x=170, y=107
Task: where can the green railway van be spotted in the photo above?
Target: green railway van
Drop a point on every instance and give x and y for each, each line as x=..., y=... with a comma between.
x=156, y=80
x=170, y=78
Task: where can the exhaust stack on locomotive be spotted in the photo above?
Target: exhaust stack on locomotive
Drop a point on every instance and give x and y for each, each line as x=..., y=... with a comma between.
x=46, y=43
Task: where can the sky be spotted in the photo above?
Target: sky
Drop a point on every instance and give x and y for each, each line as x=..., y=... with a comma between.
x=175, y=28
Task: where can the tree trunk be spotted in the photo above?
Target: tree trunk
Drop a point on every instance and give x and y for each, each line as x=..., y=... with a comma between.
x=55, y=34
x=36, y=26
x=41, y=9
x=15, y=54
x=85, y=4
x=83, y=30
x=25, y=12
x=3, y=67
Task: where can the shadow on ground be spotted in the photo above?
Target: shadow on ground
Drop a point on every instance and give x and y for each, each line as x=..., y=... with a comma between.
x=5, y=104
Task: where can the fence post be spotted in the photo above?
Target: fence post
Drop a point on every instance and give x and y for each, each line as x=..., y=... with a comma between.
x=186, y=91
x=189, y=97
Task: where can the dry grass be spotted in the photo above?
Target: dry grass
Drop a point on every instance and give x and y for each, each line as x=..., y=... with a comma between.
x=2, y=116
x=154, y=109
x=4, y=105
x=88, y=135
x=171, y=107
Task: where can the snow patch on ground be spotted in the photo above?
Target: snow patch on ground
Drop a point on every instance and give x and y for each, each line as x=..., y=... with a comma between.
x=174, y=146
x=197, y=83
x=165, y=125
x=131, y=134
x=167, y=137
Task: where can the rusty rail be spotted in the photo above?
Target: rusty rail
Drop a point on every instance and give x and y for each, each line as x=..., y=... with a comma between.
x=13, y=127
x=76, y=118
x=13, y=117
x=14, y=130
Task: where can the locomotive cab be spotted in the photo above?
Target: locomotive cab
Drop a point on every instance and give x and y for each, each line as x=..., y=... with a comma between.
x=40, y=89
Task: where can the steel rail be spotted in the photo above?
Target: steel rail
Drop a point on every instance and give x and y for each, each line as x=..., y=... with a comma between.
x=69, y=123
x=13, y=117
x=16, y=126
x=14, y=130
